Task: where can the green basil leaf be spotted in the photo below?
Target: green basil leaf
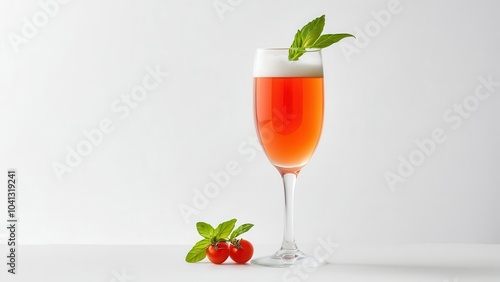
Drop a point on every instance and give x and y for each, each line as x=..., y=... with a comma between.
x=310, y=37
x=240, y=230
x=295, y=50
x=198, y=252
x=326, y=40
x=311, y=31
x=224, y=229
x=206, y=230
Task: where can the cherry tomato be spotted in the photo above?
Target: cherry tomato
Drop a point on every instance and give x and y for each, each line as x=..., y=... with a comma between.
x=241, y=251
x=218, y=253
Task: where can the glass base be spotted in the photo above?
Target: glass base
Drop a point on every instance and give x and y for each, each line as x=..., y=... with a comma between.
x=289, y=258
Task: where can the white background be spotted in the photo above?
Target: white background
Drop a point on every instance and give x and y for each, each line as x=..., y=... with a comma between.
x=392, y=91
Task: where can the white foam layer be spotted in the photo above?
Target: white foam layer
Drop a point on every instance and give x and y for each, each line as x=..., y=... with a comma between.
x=276, y=64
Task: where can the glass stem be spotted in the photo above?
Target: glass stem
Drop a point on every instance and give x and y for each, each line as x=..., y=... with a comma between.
x=289, y=180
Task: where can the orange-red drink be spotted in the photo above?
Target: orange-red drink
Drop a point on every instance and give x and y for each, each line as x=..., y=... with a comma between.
x=288, y=107
x=289, y=118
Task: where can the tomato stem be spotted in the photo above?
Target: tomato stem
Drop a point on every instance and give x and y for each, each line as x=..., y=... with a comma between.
x=236, y=243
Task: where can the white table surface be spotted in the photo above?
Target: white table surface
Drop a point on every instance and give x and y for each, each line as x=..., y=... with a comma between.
x=116, y=263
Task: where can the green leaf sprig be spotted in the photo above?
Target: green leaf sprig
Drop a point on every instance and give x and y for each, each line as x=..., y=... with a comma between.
x=222, y=233
x=310, y=37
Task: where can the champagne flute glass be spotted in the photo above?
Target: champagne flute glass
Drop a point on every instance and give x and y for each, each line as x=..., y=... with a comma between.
x=288, y=104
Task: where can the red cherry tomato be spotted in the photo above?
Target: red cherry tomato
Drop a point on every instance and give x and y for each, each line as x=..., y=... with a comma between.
x=241, y=251
x=218, y=253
